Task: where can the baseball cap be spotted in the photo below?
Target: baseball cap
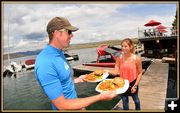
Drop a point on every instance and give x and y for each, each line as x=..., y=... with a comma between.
x=58, y=23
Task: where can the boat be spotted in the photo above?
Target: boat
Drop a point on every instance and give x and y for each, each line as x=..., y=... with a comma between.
x=106, y=60
x=30, y=63
x=12, y=68
x=106, y=56
x=100, y=64
x=71, y=57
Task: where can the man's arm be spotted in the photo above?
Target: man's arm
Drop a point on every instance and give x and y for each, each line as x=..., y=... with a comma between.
x=64, y=104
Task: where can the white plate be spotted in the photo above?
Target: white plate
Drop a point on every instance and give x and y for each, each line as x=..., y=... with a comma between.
x=119, y=90
x=104, y=76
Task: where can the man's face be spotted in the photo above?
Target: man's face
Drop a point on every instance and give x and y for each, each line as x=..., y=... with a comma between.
x=63, y=38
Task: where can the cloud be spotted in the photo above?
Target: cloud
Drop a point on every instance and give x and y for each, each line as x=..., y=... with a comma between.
x=96, y=21
x=34, y=36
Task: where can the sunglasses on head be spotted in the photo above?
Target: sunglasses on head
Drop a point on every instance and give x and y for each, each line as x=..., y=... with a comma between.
x=65, y=30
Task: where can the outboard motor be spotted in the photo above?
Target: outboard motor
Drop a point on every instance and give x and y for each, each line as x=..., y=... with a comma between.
x=71, y=57
x=75, y=57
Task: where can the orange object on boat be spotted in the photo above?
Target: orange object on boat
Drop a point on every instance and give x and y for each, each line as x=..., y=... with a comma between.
x=30, y=62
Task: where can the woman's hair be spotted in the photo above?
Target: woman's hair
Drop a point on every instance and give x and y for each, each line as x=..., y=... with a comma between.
x=130, y=43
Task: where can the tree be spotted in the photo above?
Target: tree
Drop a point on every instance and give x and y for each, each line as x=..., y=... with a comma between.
x=174, y=24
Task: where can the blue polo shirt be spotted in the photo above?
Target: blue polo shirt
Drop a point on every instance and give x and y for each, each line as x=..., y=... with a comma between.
x=53, y=73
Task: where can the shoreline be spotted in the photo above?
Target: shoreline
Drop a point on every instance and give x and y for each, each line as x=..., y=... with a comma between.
x=93, y=44
x=72, y=47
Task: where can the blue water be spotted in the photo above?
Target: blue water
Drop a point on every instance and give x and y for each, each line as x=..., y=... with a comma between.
x=22, y=91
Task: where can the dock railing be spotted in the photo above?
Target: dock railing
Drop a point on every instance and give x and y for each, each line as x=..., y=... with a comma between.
x=154, y=32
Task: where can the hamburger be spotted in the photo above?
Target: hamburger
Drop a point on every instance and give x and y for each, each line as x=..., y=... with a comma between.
x=98, y=72
x=96, y=75
x=119, y=81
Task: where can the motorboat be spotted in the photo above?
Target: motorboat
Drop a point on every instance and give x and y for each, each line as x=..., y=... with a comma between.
x=106, y=56
x=12, y=68
x=106, y=60
x=71, y=57
x=30, y=63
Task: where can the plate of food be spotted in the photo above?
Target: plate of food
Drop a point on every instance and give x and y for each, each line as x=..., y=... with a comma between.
x=117, y=84
x=96, y=76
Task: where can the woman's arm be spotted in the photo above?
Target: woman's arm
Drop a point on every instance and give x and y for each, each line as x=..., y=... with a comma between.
x=115, y=71
x=139, y=69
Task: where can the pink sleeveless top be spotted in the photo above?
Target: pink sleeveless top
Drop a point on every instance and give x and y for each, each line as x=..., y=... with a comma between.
x=128, y=70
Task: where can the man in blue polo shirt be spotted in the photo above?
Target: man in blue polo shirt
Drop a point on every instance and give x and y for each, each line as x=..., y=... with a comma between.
x=53, y=72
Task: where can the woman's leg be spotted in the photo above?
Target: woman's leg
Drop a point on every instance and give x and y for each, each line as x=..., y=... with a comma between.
x=136, y=101
x=125, y=100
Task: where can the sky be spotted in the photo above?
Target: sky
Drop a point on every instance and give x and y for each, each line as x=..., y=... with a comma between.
x=24, y=23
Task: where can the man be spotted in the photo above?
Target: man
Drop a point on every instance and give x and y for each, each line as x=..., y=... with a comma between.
x=53, y=72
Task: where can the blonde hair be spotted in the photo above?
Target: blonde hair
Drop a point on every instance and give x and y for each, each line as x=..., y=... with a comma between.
x=130, y=44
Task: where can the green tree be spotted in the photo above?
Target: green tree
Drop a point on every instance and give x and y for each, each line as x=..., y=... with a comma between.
x=174, y=24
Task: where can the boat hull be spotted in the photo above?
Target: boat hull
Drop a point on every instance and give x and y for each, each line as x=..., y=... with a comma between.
x=111, y=65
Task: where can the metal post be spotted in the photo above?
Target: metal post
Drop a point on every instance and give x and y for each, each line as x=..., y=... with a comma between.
x=8, y=42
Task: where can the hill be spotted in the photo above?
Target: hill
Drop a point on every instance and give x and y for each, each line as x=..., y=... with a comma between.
x=72, y=46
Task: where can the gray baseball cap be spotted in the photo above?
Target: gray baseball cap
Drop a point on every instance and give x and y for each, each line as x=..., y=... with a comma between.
x=59, y=23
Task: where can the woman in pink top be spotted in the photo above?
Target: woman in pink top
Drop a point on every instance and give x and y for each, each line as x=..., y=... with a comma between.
x=129, y=66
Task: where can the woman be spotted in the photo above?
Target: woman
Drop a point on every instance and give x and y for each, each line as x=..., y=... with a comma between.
x=129, y=66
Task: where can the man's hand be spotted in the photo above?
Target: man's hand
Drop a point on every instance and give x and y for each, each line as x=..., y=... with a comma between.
x=107, y=95
x=80, y=79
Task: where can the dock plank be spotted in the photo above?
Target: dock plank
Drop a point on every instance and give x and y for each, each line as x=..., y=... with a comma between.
x=168, y=60
x=90, y=68
x=153, y=87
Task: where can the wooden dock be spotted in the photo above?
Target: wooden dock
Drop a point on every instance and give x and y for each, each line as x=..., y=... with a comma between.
x=153, y=88
x=82, y=69
x=91, y=68
x=168, y=60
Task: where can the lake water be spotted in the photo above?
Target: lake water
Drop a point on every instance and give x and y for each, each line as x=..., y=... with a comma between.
x=22, y=91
